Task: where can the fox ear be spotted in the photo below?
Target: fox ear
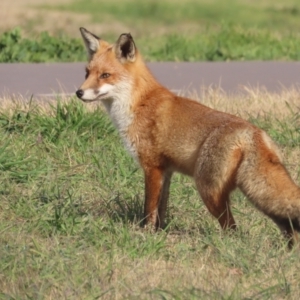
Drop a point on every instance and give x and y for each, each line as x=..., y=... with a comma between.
x=125, y=48
x=91, y=41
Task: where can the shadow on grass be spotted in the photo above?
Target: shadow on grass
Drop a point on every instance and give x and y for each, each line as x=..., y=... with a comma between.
x=126, y=210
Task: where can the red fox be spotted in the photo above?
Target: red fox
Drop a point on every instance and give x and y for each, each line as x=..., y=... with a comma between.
x=166, y=133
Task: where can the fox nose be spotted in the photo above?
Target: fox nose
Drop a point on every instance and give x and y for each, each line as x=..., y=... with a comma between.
x=79, y=93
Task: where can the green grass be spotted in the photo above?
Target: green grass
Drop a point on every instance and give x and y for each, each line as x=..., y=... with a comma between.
x=44, y=48
x=203, y=30
x=71, y=202
x=230, y=43
x=168, y=30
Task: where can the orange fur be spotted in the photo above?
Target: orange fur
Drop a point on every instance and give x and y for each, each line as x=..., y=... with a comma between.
x=167, y=133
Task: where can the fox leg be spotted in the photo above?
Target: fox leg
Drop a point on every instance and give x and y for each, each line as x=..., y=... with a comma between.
x=153, y=189
x=219, y=206
x=289, y=229
x=215, y=179
x=163, y=200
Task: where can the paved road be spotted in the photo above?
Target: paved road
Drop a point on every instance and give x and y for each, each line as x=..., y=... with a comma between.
x=47, y=79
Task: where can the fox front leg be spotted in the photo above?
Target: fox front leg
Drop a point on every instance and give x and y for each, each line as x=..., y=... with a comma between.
x=163, y=200
x=154, y=178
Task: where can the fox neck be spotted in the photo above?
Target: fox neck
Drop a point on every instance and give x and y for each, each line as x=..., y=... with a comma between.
x=127, y=96
x=143, y=81
x=118, y=107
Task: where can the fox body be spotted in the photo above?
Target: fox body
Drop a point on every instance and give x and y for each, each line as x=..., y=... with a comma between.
x=166, y=133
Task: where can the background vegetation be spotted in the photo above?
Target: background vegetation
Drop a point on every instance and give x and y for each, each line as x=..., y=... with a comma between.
x=167, y=30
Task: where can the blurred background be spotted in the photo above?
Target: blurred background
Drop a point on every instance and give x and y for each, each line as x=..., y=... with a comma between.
x=186, y=30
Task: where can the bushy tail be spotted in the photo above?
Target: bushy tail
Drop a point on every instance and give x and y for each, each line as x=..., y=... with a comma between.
x=266, y=182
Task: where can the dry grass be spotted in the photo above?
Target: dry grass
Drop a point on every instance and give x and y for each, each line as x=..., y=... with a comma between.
x=31, y=19
x=250, y=102
x=57, y=16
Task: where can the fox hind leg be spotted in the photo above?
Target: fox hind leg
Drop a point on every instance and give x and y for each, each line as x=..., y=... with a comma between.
x=218, y=205
x=289, y=229
x=215, y=179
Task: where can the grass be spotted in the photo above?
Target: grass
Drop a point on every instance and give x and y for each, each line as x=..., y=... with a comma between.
x=167, y=30
x=193, y=30
x=15, y=48
x=268, y=14
x=228, y=44
x=71, y=206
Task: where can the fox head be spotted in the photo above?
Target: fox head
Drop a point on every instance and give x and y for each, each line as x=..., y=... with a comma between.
x=107, y=73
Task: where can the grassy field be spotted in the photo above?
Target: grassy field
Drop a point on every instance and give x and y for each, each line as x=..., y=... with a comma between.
x=71, y=206
x=188, y=30
x=176, y=15
x=71, y=198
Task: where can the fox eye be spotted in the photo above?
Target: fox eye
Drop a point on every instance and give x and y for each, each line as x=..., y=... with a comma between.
x=87, y=73
x=104, y=75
